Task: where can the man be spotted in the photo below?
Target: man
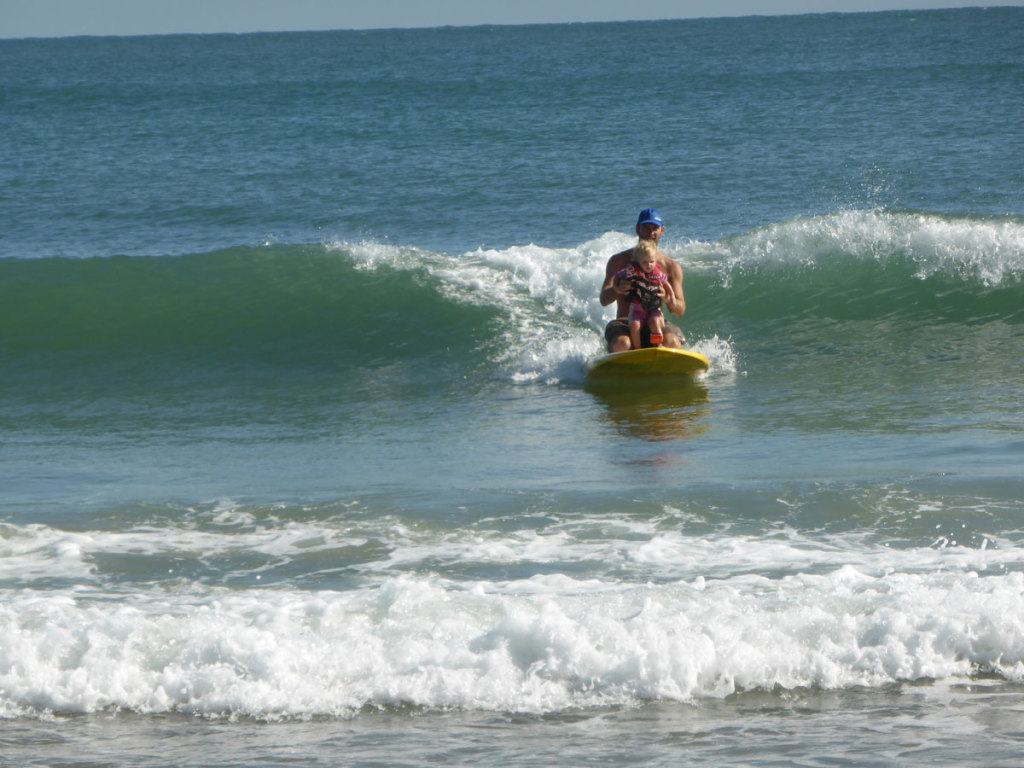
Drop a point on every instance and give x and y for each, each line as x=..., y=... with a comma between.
x=648, y=227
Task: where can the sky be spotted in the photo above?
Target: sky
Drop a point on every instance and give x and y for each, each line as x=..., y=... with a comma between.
x=61, y=18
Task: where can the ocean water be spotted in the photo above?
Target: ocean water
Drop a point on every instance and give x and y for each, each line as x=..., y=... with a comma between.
x=298, y=464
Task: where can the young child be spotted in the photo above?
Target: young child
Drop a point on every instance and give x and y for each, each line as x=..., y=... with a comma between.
x=645, y=307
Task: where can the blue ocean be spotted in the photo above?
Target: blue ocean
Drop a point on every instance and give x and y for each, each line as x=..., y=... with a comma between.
x=299, y=464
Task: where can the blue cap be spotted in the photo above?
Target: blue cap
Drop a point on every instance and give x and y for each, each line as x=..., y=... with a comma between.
x=650, y=216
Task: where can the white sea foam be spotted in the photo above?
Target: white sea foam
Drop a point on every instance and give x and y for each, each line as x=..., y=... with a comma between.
x=990, y=251
x=544, y=644
x=632, y=545
x=34, y=552
x=610, y=609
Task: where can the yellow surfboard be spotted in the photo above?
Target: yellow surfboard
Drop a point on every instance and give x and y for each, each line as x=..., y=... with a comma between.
x=646, y=363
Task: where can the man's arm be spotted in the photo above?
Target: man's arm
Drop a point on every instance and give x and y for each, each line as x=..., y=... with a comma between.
x=676, y=302
x=610, y=292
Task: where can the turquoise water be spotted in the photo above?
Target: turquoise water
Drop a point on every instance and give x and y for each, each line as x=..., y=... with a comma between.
x=299, y=461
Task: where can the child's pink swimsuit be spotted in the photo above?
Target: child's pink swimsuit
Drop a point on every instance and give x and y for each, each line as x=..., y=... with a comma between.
x=638, y=308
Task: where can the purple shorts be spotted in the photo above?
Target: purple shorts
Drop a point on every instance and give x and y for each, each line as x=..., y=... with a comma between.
x=637, y=313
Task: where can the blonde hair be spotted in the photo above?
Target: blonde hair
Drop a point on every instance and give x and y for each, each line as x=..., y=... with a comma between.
x=645, y=248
